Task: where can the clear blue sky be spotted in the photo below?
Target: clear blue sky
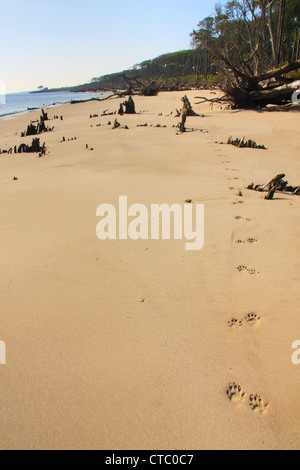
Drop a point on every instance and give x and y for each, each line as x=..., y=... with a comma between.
x=67, y=42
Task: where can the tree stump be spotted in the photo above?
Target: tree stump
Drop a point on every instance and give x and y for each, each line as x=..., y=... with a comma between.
x=271, y=193
x=116, y=124
x=188, y=107
x=129, y=106
x=181, y=125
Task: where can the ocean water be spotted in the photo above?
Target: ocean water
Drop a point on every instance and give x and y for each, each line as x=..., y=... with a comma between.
x=15, y=103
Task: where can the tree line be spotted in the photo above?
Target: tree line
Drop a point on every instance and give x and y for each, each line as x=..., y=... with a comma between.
x=255, y=35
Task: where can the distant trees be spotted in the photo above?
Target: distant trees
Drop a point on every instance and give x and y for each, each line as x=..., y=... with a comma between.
x=250, y=35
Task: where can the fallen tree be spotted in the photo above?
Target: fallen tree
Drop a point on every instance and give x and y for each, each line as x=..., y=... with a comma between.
x=245, y=90
x=136, y=87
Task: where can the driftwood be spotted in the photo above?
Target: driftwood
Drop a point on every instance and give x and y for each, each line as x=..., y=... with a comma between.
x=271, y=193
x=115, y=94
x=275, y=184
x=135, y=87
x=242, y=143
x=116, y=124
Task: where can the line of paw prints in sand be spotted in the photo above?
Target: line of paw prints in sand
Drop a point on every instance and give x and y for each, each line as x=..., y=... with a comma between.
x=251, y=241
x=251, y=271
x=236, y=394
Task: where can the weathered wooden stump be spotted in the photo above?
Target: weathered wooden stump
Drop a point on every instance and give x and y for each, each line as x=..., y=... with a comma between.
x=129, y=106
x=116, y=124
x=182, y=123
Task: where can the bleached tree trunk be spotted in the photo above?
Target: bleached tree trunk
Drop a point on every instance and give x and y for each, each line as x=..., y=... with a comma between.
x=270, y=26
x=280, y=29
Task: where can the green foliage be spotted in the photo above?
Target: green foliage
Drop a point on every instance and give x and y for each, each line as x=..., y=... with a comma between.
x=296, y=75
x=254, y=34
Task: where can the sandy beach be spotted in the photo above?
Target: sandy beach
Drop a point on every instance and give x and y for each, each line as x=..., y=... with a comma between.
x=124, y=344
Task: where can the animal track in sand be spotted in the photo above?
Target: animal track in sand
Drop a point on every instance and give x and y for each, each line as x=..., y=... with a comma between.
x=256, y=403
x=235, y=393
x=234, y=323
x=251, y=271
x=238, y=217
x=250, y=240
x=252, y=319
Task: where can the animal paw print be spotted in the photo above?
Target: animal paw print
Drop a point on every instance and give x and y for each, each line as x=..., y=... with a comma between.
x=242, y=268
x=250, y=240
x=238, y=217
x=251, y=271
x=234, y=323
x=252, y=319
x=256, y=403
x=235, y=393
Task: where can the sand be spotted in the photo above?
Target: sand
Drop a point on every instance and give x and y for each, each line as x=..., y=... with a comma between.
x=90, y=366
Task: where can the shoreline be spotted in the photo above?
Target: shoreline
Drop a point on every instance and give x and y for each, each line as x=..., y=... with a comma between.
x=14, y=114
